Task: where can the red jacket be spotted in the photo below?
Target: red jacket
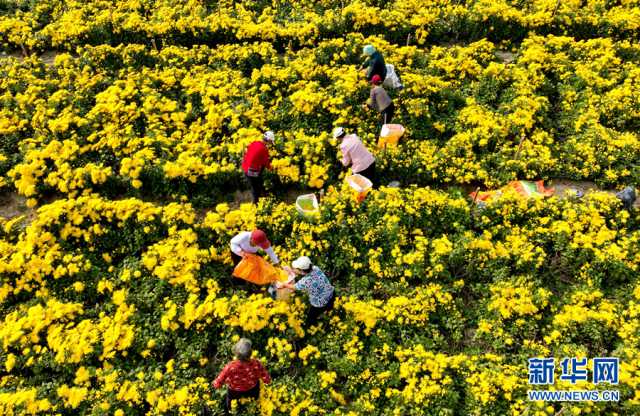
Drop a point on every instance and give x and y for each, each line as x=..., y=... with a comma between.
x=257, y=157
x=242, y=375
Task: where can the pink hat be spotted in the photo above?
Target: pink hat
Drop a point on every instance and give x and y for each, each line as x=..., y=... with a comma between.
x=376, y=79
x=259, y=238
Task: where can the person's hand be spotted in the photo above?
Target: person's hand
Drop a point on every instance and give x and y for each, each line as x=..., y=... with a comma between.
x=287, y=269
x=243, y=254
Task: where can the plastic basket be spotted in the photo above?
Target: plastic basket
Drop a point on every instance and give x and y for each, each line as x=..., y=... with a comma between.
x=390, y=134
x=307, y=205
x=360, y=184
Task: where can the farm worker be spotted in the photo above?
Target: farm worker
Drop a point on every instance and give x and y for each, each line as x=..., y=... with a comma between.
x=250, y=242
x=355, y=153
x=374, y=64
x=242, y=375
x=315, y=283
x=254, y=162
x=380, y=100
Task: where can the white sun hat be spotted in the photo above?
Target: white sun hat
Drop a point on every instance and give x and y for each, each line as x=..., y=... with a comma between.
x=302, y=263
x=337, y=132
x=269, y=136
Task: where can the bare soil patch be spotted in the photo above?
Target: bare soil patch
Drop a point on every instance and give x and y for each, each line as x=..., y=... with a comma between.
x=506, y=56
x=13, y=205
x=562, y=187
x=48, y=57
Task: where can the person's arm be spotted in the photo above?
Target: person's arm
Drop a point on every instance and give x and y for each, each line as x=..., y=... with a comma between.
x=303, y=284
x=366, y=63
x=272, y=255
x=265, y=158
x=236, y=245
x=249, y=158
x=222, y=377
x=370, y=69
x=372, y=98
x=263, y=373
x=346, y=155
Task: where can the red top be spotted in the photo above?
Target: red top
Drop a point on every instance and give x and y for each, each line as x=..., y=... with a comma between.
x=257, y=157
x=242, y=375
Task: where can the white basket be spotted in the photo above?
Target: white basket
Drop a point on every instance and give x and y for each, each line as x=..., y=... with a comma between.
x=314, y=203
x=359, y=183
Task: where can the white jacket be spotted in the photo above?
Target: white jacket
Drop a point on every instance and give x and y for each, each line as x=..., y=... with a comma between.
x=242, y=242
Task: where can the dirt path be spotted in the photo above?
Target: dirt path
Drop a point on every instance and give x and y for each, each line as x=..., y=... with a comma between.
x=13, y=205
x=562, y=186
x=241, y=197
x=48, y=57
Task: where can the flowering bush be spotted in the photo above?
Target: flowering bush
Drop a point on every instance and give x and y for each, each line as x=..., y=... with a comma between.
x=133, y=120
x=116, y=295
x=131, y=305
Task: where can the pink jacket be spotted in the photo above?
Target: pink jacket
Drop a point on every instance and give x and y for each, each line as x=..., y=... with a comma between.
x=355, y=154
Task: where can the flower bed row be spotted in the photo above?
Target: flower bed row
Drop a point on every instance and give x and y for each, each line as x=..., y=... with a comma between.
x=133, y=121
x=67, y=24
x=126, y=306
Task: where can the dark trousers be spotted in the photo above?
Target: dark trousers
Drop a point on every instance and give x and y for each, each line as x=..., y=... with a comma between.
x=314, y=313
x=256, y=183
x=253, y=393
x=240, y=283
x=370, y=173
x=387, y=115
x=236, y=259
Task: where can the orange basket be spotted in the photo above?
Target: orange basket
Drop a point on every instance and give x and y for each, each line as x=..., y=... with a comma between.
x=390, y=134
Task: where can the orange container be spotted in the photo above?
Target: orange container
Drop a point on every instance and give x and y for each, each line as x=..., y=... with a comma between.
x=390, y=134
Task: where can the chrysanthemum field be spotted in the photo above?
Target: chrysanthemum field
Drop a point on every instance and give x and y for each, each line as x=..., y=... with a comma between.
x=115, y=284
